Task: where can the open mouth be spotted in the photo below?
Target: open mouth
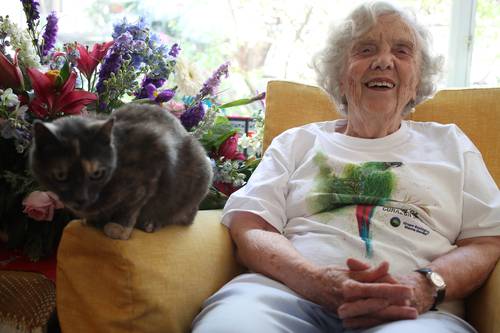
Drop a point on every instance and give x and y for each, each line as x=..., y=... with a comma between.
x=380, y=85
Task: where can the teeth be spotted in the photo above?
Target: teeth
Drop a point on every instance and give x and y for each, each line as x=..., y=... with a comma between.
x=380, y=84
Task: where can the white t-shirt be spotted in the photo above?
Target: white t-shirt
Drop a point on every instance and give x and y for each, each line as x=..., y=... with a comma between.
x=404, y=198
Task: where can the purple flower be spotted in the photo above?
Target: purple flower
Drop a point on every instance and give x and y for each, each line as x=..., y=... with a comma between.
x=102, y=106
x=158, y=82
x=213, y=82
x=192, y=116
x=174, y=50
x=124, y=39
x=114, y=59
x=111, y=64
x=139, y=31
x=165, y=96
x=150, y=90
x=140, y=40
x=32, y=12
x=50, y=34
x=146, y=82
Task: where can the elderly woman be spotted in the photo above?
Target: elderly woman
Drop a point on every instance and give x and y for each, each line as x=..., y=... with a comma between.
x=370, y=222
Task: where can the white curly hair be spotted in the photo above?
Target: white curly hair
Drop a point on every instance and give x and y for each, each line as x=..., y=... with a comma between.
x=330, y=62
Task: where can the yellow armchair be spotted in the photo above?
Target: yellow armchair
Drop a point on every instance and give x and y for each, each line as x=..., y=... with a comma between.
x=157, y=282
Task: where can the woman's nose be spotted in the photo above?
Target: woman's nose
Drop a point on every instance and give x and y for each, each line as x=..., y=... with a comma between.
x=383, y=60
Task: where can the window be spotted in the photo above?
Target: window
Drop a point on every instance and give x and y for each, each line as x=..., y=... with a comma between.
x=485, y=64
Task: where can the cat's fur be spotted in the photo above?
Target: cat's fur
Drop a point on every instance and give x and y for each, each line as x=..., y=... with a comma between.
x=140, y=168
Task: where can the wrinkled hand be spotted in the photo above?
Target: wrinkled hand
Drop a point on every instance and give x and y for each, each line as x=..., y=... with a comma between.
x=361, y=295
x=422, y=290
x=363, y=308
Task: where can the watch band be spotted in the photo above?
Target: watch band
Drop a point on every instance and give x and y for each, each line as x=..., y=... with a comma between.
x=440, y=289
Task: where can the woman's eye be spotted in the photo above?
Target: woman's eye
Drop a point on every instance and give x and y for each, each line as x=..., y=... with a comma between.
x=366, y=50
x=98, y=174
x=363, y=49
x=60, y=175
x=403, y=51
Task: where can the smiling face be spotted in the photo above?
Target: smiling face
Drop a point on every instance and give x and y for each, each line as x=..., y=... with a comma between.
x=382, y=70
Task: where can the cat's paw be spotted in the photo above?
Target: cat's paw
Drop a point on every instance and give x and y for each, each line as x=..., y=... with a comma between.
x=117, y=231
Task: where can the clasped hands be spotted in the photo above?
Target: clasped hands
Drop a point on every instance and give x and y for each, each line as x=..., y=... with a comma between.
x=364, y=296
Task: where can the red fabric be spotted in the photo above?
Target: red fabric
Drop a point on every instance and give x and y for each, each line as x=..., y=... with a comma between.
x=14, y=260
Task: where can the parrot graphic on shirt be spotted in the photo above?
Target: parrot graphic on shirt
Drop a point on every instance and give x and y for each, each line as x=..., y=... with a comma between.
x=365, y=185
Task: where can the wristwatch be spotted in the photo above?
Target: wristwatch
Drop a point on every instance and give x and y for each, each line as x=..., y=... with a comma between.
x=437, y=282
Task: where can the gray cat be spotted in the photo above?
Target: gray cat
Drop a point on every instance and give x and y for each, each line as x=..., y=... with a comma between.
x=140, y=168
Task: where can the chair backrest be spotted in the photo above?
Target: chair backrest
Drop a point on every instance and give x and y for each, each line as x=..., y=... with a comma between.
x=475, y=111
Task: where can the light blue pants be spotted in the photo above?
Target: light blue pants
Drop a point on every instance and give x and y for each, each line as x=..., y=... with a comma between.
x=253, y=303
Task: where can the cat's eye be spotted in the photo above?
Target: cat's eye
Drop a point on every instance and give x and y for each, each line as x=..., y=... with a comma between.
x=98, y=174
x=60, y=175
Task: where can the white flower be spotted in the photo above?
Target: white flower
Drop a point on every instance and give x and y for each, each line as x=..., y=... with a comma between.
x=20, y=40
x=9, y=99
x=244, y=141
x=226, y=171
x=187, y=77
x=251, y=143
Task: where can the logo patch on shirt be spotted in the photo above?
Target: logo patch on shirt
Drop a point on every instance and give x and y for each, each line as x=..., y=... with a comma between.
x=395, y=222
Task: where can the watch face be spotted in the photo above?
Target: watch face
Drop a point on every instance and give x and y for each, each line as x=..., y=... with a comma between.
x=437, y=280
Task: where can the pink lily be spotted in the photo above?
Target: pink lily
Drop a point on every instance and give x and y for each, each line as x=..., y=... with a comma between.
x=88, y=62
x=51, y=101
x=10, y=73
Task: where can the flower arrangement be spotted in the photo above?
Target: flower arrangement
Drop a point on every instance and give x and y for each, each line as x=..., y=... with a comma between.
x=41, y=81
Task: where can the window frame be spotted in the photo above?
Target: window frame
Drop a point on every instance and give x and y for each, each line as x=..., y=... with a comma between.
x=461, y=42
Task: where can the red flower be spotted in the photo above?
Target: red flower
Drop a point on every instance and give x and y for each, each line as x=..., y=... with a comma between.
x=229, y=149
x=10, y=73
x=225, y=188
x=51, y=101
x=88, y=62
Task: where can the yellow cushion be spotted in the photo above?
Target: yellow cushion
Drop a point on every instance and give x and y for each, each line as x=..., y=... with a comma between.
x=476, y=112
x=290, y=104
x=149, y=283
x=482, y=308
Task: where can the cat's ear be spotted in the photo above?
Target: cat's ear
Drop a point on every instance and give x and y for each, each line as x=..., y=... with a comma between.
x=43, y=133
x=106, y=129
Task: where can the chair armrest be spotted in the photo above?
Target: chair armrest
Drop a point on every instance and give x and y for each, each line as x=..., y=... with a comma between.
x=483, y=307
x=150, y=283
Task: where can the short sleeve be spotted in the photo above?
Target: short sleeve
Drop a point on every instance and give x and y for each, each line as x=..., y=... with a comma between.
x=266, y=190
x=481, y=199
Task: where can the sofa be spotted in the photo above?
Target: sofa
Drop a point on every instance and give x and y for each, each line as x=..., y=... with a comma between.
x=157, y=282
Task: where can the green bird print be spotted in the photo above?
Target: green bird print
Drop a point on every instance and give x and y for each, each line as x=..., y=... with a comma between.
x=365, y=185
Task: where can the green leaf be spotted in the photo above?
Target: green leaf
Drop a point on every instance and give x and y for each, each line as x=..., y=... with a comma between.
x=215, y=136
x=243, y=101
x=238, y=102
x=214, y=200
x=64, y=74
x=249, y=167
